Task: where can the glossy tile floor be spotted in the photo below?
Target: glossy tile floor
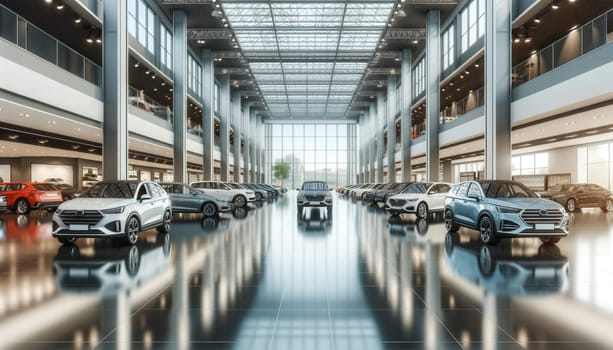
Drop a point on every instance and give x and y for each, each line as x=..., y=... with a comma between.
x=267, y=279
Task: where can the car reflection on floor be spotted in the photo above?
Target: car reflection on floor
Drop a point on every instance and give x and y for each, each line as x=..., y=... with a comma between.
x=499, y=270
x=314, y=220
x=410, y=229
x=25, y=228
x=109, y=268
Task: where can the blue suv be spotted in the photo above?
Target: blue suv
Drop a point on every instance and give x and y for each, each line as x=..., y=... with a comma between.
x=498, y=208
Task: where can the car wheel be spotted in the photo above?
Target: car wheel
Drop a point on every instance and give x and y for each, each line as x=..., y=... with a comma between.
x=23, y=206
x=239, y=201
x=608, y=205
x=69, y=251
x=422, y=210
x=133, y=261
x=165, y=226
x=67, y=240
x=132, y=229
x=258, y=197
x=571, y=205
x=487, y=231
x=163, y=239
x=450, y=224
x=422, y=226
x=209, y=209
x=486, y=264
x=551, y=240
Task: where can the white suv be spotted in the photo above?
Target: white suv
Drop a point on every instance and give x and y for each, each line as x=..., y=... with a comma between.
x=229, y=191
x=118, y=209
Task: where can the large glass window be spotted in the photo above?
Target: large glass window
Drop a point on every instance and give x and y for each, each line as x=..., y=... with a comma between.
x=595, y=164
x=313, y=152
x=165, y=47
x=141, y=23
x=530, y=164
x=194, y=72
x=419, y=78
x=472, y=23
x=448, y=46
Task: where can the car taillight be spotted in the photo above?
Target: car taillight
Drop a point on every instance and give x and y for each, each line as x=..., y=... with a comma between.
x=37, y=192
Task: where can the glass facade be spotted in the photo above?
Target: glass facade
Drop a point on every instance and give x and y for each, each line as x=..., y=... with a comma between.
x=141, y=23
x=595, y=164
x=448, y=47
x=313, y=151
x=194, y=73
x=165, y=47
x=419, y=78
x=472, y=23
x=530, y=164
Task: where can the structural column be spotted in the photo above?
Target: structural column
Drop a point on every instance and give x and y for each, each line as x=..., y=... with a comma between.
x=433, y=72
x=406, y=120
x=179, y=94
x=373, y=144
x=115, y=70
x=208, y=113
x=236, y=118
x=391, y=128
x=246, y=110
x=252, y=141
x=379, y=125
x=498, y=90
x=224, y=126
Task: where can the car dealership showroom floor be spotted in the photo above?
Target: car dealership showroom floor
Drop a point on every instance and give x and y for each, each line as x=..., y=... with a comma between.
x=267, y=278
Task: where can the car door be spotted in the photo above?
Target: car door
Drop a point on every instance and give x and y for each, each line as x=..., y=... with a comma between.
x=597, y=195
x=583, y=196
x=159, y=201
x=12, y=191
x=146, y=206
x=178, y=196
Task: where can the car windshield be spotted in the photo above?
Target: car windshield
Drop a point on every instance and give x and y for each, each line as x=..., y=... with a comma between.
x=561, y=188
x=417, y=188
x=235, y=186
x=110, y=190
x=507, y=190
x=44, y=187
x=314, y=186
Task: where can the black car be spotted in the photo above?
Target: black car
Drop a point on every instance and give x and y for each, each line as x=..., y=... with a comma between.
x=314, y=194
x=383, y=194
x=68, y=192
x=576, y=196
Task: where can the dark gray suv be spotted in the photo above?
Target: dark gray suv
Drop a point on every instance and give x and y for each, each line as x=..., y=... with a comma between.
x=314, y=194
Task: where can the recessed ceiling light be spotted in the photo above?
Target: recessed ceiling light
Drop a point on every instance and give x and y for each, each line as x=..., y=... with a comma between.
x=537, y=20
x=60, y=7
x=77, y=20
x=415, y=41
x=147, y=72
x=569, y=123
x=136, y=65
x=13, y=137
x=476, y=65
x=48, y=1
x=553, y=139
x=555, y=5
x=591, y=132
x=570, y=136
x=42, y=142
x=597, y=116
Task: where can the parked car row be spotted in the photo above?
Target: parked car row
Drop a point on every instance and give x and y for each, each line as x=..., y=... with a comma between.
x=496, y=209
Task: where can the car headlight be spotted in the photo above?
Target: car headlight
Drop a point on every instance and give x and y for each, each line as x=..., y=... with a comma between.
x=117, y=210
x=412, y=199
x=58, y=211
x=508, y=210
x=328, y=199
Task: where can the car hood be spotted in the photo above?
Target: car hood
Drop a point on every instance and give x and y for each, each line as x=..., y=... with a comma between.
x=526, y=203
x=95, y=203
x=549, y=194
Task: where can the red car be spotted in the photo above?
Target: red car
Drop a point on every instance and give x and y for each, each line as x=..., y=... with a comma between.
x=25, y=196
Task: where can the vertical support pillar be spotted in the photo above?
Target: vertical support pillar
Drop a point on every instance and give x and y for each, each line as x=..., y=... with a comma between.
x=245, y=126
x=379, y=125
x=236, y=118
x=373, y=144
x=391, y=128
x=224, y=126
x=433, y=75
x=447, y=171
x=406, y=119
x=115, y=70
x=208, y=113
x=179, y=94
x=498, y=90
x=362, y=148
x=252, y=141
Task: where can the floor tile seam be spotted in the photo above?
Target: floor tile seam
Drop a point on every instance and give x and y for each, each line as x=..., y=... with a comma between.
x=500, y=328
x=330, y=323
x=274, y=331
x=427, y=307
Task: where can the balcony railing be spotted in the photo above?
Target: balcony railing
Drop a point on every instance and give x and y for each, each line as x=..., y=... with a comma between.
x=456, y=109
x=578, y=42
x=24, y=34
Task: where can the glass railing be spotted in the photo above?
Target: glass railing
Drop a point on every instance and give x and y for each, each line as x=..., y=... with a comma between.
x=137, y=98
x=24, y=34
x=92, y=5
x=456, y=109
x=578, y=42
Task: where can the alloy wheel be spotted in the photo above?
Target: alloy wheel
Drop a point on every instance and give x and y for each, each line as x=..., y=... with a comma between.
x=571, y=205
x=486, y=230
x=23, y=207
x=132, y=230
x=422, y=210
x=209, y=209
x=240, y=201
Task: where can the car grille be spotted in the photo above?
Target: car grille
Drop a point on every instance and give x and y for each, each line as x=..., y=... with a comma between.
x=397, y=202
x=81, y=217
x=314, y=198
x=542, y=216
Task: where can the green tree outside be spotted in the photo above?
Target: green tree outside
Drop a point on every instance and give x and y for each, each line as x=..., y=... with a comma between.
x=281, y=171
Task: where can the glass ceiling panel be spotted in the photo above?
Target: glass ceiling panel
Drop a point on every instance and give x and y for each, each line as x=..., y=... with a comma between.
x=283, y=36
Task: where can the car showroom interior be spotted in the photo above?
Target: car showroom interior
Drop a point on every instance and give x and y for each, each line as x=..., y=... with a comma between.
x=306, y=174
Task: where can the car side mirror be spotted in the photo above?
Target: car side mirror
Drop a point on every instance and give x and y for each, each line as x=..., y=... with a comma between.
x=297, y=189
x=476, y=198
x=538, y=195
x=330, y=189
x=145, y=197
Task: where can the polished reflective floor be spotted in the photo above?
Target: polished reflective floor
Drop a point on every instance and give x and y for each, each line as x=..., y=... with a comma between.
x=269, y=278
